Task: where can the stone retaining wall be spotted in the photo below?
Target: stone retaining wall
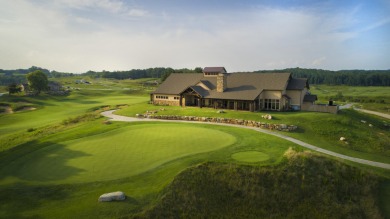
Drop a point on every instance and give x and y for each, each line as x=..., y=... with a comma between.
x=251, y=123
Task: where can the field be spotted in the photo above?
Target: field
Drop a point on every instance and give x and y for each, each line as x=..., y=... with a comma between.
x=56, y=160
x=370, y=98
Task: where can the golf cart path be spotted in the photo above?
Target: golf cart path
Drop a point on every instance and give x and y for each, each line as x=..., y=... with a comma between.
x=114, y=117
x=350, y=105
x=384, y=115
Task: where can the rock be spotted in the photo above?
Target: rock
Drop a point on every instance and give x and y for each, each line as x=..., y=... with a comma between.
x=267, y=116
x=113, y=196
x=342, y=139
x=370, y=125
x=363, y=121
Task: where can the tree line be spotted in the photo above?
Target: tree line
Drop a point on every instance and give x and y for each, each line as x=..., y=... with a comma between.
x=315, y=76
x=159, y=72
x=342, y=77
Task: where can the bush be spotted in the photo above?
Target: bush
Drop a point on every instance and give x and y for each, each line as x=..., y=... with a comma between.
x=30, y=129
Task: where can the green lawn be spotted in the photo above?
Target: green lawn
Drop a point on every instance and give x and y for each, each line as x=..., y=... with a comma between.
x=320, y=129
x=55, y=109
x=250, y=156
x=115, y=154
x=53, y=170
x=48, y=171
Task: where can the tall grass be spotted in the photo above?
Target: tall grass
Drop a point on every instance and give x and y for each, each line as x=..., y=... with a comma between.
x=303, y=186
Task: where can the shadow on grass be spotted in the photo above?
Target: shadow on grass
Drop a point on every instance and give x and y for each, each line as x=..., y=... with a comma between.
x=39, y=162
x=17, y=200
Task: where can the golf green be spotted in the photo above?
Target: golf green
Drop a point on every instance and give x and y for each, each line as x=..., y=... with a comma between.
x=120, y=153
x=250, y=156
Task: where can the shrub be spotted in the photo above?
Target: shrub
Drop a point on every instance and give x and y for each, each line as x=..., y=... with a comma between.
x=30, y=129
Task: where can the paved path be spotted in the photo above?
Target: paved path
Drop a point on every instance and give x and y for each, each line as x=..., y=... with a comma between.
x=350, y=105
x=114, y=117
x=384, y=115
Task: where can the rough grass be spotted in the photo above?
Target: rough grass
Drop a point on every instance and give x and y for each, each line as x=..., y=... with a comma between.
x=370, y=98
x=304, y=186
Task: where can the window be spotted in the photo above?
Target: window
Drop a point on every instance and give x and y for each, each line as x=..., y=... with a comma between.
x=176, y=98
x=162, y=97
x=271, y=104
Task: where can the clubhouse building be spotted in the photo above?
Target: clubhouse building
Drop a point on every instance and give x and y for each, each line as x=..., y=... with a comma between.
x=236, y=91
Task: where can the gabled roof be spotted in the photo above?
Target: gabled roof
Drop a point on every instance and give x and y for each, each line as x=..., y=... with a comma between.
x=208, y=84
x=199, y=90
x=176, y=83
x=240, y=86
x=297, y=84
x=309, y=98
x=214, y=70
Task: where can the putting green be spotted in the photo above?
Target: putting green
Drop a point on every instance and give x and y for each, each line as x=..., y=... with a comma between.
x=250, y=156
x=120, y=153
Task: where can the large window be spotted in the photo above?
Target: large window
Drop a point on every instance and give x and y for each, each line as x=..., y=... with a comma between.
x=271, y=104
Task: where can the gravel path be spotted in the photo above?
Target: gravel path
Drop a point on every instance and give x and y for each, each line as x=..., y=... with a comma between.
x=114, y=117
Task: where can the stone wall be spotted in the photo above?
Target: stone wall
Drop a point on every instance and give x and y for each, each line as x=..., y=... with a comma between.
x=166, y=103
x=251, y=123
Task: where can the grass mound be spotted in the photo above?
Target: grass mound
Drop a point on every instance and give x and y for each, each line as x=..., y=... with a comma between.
x=304, y=186
x=250, y=156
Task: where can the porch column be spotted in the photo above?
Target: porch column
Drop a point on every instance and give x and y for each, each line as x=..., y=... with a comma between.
x=200, y=102
x=235, y=105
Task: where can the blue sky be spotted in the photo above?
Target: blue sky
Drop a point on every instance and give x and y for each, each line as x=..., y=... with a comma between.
x=81, y=35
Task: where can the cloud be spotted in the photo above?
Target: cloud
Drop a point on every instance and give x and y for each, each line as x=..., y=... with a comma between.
x=76, y=36
x=117, y=7
x=376, y=24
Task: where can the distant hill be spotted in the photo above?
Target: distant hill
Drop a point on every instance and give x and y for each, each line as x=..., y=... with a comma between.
x=303, y=186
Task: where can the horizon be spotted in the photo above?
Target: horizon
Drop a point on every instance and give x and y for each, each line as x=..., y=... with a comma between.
x=117, y=35
x=180, y=68
x=98, y=71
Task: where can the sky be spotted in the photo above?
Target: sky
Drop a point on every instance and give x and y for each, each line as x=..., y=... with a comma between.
x=247, y=35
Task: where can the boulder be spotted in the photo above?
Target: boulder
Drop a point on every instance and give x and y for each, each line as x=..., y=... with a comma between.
x=112, y=196
x=342, y=139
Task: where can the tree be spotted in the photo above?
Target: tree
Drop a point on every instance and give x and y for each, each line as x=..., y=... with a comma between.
x=13, y=88
x=167, y=72
x=198, y=70
x=37, y=81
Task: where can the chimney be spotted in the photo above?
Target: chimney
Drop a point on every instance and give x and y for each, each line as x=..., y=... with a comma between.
x=221, y=82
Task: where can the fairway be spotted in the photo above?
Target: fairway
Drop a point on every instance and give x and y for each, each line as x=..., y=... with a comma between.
x=116, y=154
x=250, y=156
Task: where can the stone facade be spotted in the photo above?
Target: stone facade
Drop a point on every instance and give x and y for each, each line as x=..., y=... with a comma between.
x=221, y=82
x=166, y=103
